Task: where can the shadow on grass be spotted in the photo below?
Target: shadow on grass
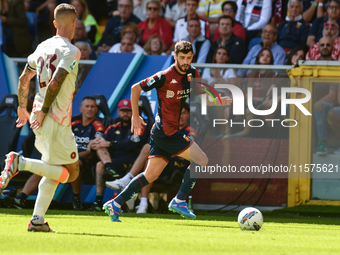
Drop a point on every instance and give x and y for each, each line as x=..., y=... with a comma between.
x=100, y=235
x=206, y=226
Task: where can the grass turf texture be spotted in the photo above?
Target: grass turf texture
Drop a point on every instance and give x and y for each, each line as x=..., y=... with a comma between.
x=299, y=230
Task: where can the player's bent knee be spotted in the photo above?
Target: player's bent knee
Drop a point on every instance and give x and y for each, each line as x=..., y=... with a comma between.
x=73, y=176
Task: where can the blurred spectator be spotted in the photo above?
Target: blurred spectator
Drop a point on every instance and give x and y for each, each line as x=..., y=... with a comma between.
x=229, y=8
x=114, y=25
x=83, y=70
x=154, y=45
x=174, y=11
x=39, y=6
x=91, y=26
x=333, y=15
x=268, y=41
x=200, y=43
x=80, y=36
x=181, y=24
x=262, y=82
x=126, y=45
x=99, y=8
x=131, y=30
x=221, y=56
x=313, y=10
x=331, y=30
x=327, y=112
x=295, y=55
x=155, y=24
x=293, y=32
x=211, y=10
x=234, y=44
x=325, y=47
x=117, y=150
x=17, y=40
x=140, y=9
x=85, y=130
x=254, y=16
x=261, y=86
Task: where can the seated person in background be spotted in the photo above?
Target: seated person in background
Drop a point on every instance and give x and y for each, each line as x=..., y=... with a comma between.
x=295, y=55
x=200, y=43
x=254, y=16
x=333, y=16
x=139, y=9
x=181, y=24
x=155, y=24
x=313, y=9
x=114, y=25
x=83, y=70
x=210, y=10
x=174, y=11
x=117, y=151
x=91, y=26
x=85, y=130
x=234, y=44
x=154, y=45
x=80, y=36
x=38, y=6
x=221, y=56
x=331, y=30
x=126, y=46
x=327, y=111
x=17, y=40
x=262, y=80
x=131, y=30
x=268, y=41
x=175, y=163
x=293, y=32
x=99, y=8
x=326, y=48
x=229, y=8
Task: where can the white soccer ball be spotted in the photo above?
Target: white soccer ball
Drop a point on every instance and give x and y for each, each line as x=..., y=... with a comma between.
x=250, y=218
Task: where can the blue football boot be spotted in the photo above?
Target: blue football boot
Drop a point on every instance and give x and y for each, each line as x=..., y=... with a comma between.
x=181, y=208
x=112, y=210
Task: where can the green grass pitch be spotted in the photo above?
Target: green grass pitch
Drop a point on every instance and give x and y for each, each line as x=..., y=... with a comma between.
x=300, y=230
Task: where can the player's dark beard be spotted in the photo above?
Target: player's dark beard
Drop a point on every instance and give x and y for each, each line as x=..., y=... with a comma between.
x=126, y=120
x=180, y=68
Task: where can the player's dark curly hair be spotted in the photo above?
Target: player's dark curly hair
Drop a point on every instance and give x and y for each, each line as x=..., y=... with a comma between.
x=184, y=47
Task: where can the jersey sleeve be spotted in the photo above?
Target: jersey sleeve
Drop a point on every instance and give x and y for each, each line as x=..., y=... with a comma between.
x=70, y=59
x=32, y=60
x=98, y=128
x=155, y=81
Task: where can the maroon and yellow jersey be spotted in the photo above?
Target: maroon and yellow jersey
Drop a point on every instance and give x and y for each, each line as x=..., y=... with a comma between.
x=173, y=89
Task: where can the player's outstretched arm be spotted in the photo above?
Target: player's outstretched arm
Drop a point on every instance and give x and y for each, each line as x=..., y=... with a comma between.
x=23, y=89
x=52, y=91
x=137, y=121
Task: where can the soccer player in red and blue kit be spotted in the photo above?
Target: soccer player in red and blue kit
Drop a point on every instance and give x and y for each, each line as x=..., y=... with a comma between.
x=173, y=88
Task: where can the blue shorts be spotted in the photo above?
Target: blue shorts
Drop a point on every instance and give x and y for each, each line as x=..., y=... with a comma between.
x=167, y=147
